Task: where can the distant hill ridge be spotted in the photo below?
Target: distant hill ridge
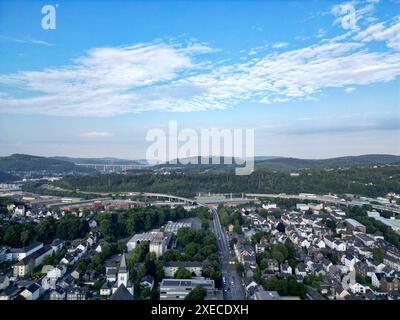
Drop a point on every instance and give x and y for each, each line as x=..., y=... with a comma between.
x=6, y=177
x=347, y=161
x=271, y=162
x=22, y=162
x=105, y=160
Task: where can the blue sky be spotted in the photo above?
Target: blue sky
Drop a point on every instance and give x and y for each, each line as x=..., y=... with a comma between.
x=314, y=79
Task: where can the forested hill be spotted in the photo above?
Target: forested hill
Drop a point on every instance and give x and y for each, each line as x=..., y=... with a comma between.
x=22, y=163
x=294, y=163
x=6, y=177
x=367, y=181
x=280, y=163
x=18, y=163
x=100, y=161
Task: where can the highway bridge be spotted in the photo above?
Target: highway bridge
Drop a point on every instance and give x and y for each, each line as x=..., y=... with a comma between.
x=113, y=167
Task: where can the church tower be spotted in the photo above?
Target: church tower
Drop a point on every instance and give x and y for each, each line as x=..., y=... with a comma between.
x=123, y=273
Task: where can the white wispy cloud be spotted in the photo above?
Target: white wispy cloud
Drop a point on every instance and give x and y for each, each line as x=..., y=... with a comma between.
x=170, y=76
x=106, y=81
x=320, y=33
x=26, y=41
x=349, y=89
x=97, y=134
x=258, y=28
x=349, y=14
x=388, y=32
x=298, y=73
x=301, y=38
x=279, y=45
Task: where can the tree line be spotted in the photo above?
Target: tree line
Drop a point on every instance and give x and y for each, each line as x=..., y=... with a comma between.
x=123, y=223
x=46, y=230
x=367, y=181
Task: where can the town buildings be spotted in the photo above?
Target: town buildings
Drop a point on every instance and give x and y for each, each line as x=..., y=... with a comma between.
x=178, y=289
x=171, y=267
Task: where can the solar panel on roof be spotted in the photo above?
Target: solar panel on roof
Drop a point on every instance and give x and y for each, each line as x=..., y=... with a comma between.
x=170, y=282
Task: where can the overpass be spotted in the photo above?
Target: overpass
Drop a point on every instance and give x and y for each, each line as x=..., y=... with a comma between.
x=113, y=167
x=170, y=197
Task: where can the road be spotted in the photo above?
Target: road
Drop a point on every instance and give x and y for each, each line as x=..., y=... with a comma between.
x=232, y=286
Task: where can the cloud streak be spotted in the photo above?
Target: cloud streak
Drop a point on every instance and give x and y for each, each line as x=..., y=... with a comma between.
x=381, y=124
x=26, y=41
x=280, y=45
x=96, y=134
x=166, y=76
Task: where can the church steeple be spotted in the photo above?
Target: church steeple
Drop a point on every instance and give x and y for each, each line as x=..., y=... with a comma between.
x=123, y=273
x=122, y=265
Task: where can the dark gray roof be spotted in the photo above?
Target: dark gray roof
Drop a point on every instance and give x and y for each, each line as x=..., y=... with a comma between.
x=122, y=293
x=184, y=264
x=301, y=267
x=27, y=248
x=57, y=242
x=33, y=287
x=77, y=290
x=10, y=291
x=147, y=278
x=106, y=285
x=2, y=278
x=59, y=290
x=34, y=255
x=68, y=279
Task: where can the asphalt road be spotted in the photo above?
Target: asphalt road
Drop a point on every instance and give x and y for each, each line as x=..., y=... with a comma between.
x=232, y=286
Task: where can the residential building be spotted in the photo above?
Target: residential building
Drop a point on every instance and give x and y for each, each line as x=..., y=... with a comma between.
x=32, y=292
x=171, y=267
x=58, y=293
x=20, y=253
x=4, y=282
x=173, y=227
x=266, y=295
x=354, y=225
x=52, y=276
x=77, y=293
x=138, y=238
x=147, y=282
x=24, y=266
x=157, y=244
x=302, y=207
x=389, y=284
x=286, y=269
x=178, y=289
